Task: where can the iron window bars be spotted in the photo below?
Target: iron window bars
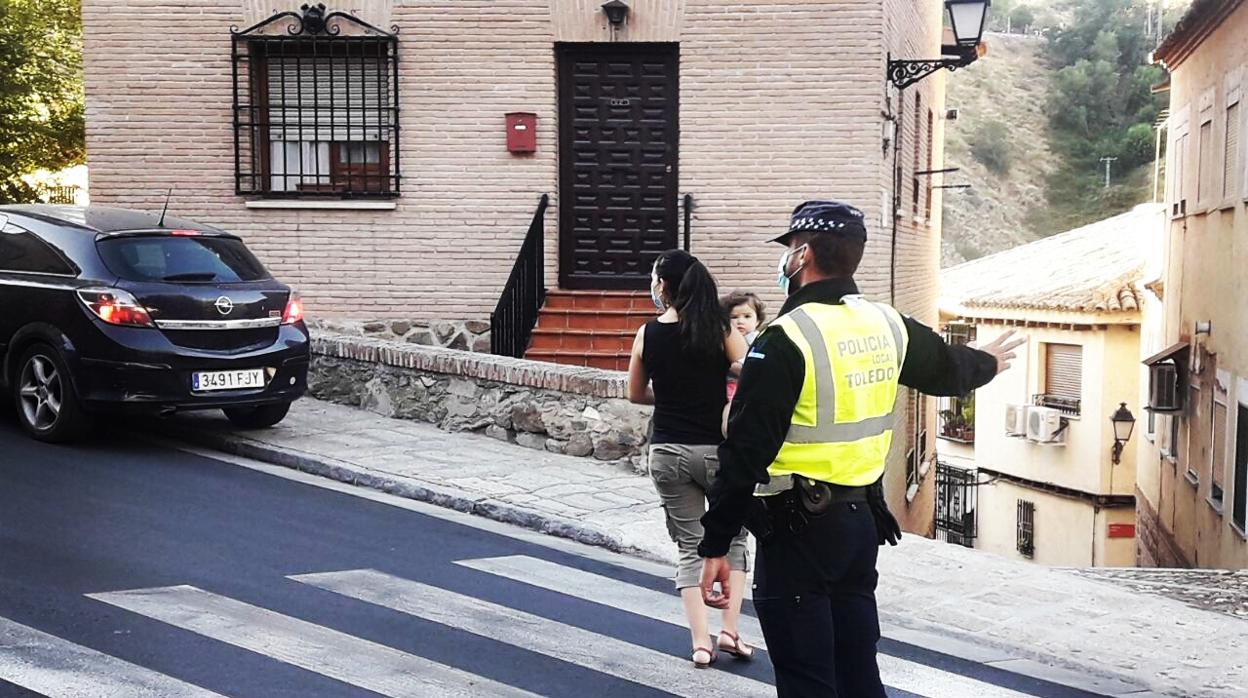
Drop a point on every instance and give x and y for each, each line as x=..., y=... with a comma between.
x=315, y=106
x=956, y=497
x=1026, y=534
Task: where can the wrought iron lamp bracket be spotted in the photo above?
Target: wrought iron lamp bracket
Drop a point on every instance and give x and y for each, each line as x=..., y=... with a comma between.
x=904, y=73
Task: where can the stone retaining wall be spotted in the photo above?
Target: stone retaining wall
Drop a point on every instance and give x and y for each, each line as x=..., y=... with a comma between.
x=563, y=409
x=465, y=335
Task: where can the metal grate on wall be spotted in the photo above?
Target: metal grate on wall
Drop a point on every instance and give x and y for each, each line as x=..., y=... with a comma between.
x=1026, y=536
x=956, y=505
x=316, y=106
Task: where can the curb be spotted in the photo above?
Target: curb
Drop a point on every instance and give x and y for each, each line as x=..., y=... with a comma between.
x=351, y=474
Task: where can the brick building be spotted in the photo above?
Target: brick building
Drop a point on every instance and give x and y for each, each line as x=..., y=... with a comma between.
x=1193, y=469
x=368, y=161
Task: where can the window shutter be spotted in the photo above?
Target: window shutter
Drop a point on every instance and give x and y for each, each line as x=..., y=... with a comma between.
x=1064, y=371
x=1204, y=166
x=1230, y=159
x=329, y=98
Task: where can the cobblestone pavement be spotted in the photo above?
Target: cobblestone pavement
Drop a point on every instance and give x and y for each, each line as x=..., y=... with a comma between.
x=1224, y=591
x=1122, y=632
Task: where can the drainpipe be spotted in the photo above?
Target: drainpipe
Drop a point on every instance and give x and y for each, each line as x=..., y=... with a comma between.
x=895, y=200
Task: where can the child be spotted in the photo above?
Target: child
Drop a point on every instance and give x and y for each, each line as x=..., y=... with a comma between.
x=746, y=314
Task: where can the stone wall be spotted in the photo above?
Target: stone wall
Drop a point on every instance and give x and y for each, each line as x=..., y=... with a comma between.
x=464, y=335
x=1154, y=546
x=563, y=409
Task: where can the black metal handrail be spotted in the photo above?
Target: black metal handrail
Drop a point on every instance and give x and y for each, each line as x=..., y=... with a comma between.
x=513, y=319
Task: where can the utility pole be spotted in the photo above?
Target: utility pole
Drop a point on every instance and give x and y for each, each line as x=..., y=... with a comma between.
x=1107, y=161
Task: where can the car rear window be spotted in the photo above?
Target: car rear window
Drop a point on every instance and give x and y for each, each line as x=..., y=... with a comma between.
x=181, y=259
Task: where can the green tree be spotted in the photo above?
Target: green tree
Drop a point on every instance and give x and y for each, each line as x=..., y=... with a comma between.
x=1021, y=18
x=1100, y=104
x=41, y=98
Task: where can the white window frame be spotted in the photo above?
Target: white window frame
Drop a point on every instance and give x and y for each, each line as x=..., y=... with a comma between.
x=1221, y=396
x=1177, y=170
x=1193, y=404
x=1234, y=94
x=1239, y=399
x=1206, y=168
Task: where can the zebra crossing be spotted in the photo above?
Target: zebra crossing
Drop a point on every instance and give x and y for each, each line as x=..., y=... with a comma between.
x=52, y=666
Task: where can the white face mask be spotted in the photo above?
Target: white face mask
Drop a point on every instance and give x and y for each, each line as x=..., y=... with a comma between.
x=784, y=279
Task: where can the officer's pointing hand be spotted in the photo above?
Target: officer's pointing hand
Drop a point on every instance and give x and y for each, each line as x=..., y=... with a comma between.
x=1003, y=349
x=715, y=569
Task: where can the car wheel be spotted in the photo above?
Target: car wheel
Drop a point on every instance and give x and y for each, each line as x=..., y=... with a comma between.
x=46, y=404
x=260, y=417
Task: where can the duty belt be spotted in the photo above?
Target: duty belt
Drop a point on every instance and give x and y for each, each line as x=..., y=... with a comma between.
x=780, y=484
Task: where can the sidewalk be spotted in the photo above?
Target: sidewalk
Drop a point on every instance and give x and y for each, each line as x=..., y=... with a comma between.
x=1088, y=629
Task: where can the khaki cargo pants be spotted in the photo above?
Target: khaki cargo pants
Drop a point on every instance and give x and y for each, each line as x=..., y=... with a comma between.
x=682, y=476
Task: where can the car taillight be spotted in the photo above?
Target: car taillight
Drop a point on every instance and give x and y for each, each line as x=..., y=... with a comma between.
x=294, y=310
x=115, y=306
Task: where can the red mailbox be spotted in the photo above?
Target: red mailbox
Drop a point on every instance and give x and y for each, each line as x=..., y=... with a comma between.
x=521, y=132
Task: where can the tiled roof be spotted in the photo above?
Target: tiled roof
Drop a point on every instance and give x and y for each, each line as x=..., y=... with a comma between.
x=1096, y=268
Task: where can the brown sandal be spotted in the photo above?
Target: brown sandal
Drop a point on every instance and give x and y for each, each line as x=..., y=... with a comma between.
x=737, y=649
x=693, y=657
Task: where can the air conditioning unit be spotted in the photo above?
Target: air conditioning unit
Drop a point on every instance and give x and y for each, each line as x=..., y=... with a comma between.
x=952, y=114
x=1016, y=420
x=1044, y=425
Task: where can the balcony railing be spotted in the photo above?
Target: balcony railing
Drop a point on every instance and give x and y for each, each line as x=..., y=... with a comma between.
x=1069, y=407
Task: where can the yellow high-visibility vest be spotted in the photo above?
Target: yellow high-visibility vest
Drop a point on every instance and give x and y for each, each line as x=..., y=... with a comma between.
x=843, y=423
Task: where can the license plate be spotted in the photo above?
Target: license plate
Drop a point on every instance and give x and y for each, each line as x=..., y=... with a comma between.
x=202, y=381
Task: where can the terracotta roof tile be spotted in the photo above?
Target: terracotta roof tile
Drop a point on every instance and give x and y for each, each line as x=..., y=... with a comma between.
x=1096, y=268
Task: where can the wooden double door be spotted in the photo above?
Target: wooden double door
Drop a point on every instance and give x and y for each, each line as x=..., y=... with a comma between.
x=618, y=162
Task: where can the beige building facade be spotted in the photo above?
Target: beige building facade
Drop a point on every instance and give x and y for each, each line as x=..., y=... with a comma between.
x=1044, y=484
x=1193, y=476
x=404, y=191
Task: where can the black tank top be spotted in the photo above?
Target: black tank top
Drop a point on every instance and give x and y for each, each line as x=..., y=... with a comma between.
x=689, y=392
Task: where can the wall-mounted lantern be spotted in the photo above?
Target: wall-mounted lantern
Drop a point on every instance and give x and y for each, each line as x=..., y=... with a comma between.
x=616, y=11
x=1124, y=424
x=967, y=18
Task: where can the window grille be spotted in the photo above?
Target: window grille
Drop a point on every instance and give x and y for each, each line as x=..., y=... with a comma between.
x=316, y=106
x=955, y=505
x=1026, y=537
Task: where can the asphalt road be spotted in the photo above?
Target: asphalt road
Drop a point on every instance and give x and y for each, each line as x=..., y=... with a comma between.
x=129, y=568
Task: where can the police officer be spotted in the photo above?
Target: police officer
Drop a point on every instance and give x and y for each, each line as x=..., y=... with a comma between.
x=809, y=433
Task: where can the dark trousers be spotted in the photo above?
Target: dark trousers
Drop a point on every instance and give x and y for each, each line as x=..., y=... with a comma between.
x=814, y=592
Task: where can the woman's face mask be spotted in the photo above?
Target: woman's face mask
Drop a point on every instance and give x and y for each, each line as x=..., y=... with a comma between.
x=784, y=277
x=655, y=296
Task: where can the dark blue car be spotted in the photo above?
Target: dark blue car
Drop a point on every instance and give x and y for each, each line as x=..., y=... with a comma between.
x=112, y=311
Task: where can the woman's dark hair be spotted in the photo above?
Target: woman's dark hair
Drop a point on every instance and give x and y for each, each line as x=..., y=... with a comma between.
x=691, y=290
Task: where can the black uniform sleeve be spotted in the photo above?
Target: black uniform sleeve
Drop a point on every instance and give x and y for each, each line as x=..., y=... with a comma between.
x=771, y=382
x=936, y=368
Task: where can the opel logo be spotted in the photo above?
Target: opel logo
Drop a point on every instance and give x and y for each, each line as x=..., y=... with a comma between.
x=224, y=305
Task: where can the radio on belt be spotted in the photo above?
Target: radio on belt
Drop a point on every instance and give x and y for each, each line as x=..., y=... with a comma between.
x=521, y=132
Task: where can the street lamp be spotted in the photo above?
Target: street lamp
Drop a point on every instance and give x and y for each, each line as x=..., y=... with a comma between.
x=1124, y=423
x=617, y=11
x=967, y=18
